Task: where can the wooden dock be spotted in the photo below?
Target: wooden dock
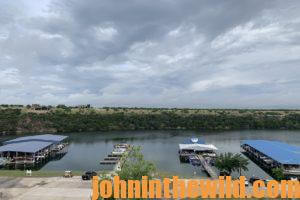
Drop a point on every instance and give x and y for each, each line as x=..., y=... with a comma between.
x=112, y=158
x=209, y=170
x=115, y=156
x=109, y=162
x=115, y=159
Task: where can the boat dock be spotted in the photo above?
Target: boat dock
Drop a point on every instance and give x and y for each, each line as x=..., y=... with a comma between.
x=207, y=168
x=196, y=152
x=28, y=151
x=115, y=157
x=274, y=154
x=109, y=162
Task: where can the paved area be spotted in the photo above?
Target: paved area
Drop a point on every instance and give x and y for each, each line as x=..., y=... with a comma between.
x=54, y=188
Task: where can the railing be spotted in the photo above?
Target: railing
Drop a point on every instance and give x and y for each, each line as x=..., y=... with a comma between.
x=207, y=167
x=295, y=171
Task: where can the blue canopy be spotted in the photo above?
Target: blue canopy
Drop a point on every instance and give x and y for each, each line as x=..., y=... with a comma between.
x=41, y=138
x=194, y=141
x=31, y=144
x=278, y=151
x=25, y=147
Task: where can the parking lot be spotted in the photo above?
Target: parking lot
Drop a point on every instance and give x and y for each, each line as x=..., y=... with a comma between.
x=54, y=188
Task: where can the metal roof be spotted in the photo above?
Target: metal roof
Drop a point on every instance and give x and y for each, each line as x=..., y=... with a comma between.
x=279, y=151
x=194, y=141
x=31, y=144
x=198, y=147
x=25, y=147
x=41, y=138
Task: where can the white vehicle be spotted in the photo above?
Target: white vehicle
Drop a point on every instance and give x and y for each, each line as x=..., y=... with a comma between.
x=246, y=182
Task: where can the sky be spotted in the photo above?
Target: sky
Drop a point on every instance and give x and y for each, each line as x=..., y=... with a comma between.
x=143, y=53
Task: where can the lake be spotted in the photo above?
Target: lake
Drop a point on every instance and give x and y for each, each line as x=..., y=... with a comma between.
x=86, y=150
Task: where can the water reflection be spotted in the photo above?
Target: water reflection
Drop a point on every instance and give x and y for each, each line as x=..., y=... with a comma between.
x=86, y=150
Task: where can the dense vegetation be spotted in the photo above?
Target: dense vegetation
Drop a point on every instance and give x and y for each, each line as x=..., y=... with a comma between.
x=135, y=166
x=229, y=162
x=22, y=120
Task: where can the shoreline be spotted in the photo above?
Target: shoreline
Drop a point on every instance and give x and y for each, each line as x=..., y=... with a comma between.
x=77, y=173
x=36, y=174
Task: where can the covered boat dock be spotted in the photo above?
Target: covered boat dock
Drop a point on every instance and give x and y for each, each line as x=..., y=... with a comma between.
x=33, y=149
x=39, y=138
x=274, y=154
x=196, y=152
x=196, y=146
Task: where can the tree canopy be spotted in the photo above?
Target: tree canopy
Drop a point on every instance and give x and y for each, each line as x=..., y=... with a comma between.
x=61, y=119
x=135, y=166
x=229, y=162
x=278, y=174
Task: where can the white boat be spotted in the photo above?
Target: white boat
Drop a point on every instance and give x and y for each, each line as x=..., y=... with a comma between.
x=3, y=162
x=122, y=145
x=119, y=151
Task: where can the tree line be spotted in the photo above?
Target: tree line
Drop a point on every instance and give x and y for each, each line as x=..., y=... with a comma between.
x=60, y=120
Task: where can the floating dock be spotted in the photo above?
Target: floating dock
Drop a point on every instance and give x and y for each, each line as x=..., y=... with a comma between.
x=207, y=168
x=274, y=154
x=109, y=162
x=195, y=151
x=115, y=157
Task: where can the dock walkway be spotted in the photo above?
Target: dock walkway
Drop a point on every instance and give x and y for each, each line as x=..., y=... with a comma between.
x=115, y=158
x=207, y=167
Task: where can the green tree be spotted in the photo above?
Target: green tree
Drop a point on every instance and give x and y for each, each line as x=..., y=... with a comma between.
x=135, y=166
x=278, y=174
x=241, y=163
x=225, y=162
x=229, y=162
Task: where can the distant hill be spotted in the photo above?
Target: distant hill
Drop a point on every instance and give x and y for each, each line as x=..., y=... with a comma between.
x=18, y=119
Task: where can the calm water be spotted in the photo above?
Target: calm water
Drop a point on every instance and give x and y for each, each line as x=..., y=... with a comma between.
x=87, y=149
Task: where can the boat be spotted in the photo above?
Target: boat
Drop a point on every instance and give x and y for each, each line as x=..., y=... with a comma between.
x=3, y=162
x=194, y=160
x=196, y=146
x=115, y=157
x=122, y=145
x=119, y=151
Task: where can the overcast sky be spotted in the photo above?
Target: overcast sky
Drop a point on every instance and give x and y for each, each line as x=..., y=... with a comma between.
x=162, y=53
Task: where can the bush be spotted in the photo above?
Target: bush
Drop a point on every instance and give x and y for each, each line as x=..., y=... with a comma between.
x=278, y=174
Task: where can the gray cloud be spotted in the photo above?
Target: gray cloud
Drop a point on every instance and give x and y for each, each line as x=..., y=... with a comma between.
x=206, y=53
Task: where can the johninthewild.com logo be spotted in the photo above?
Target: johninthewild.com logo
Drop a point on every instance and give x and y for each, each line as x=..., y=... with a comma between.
x=224, y=187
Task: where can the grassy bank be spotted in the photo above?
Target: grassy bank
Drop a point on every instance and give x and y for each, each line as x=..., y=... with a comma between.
x=48, y=173
x=21, y=173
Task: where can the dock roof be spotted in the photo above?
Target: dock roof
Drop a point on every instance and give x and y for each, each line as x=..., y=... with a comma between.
x=31, y=144
x=198, y=147
x=25, y=147
x=281, y=152
x=39, y=138
x=194, y=141
x=196, y=144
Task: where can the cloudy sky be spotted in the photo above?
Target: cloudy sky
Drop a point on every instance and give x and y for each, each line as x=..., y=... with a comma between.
x=162, y=53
